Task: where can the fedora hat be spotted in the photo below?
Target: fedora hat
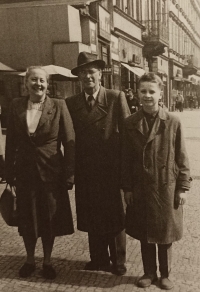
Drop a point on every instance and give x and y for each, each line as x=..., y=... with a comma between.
x=85, y=59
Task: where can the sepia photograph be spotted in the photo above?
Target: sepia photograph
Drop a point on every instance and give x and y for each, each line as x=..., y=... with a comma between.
x=99, y=145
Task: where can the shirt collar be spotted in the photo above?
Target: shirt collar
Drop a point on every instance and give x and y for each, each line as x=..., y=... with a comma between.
x=150, y=115
x=94, y=94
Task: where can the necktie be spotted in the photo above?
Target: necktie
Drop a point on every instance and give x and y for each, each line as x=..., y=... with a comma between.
x=90, y=102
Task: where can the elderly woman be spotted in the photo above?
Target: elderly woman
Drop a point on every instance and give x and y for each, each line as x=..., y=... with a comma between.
x=41, y=172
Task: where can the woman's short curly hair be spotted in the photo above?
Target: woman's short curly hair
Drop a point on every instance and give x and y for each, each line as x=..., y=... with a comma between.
x=29, y=69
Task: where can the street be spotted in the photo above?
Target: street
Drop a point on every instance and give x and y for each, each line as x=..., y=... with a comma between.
x=70, y=253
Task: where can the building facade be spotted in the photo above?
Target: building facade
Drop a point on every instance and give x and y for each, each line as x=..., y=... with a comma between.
x=184, y=48
x=131, y=36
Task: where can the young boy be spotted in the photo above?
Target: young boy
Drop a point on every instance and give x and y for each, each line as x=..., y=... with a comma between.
x=155, y=176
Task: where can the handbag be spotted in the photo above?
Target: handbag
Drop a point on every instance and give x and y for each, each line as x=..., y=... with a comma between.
x=8, y=206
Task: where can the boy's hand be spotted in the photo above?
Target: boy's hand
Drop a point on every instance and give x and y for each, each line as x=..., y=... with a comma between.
x=128, y=196
x=181, y=197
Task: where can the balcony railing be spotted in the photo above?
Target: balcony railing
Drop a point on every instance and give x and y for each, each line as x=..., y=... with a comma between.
x=155, y=31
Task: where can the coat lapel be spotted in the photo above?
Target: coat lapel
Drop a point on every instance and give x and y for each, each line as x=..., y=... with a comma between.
x=139, y=122
x=47, y=112
x=99, y=110
x=142, y=125
x=21, y=112
x=158, y=125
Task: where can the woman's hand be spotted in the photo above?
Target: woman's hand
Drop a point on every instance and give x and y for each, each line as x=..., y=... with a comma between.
x=128, y=197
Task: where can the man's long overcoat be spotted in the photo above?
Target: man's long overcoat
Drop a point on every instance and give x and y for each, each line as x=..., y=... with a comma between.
x=98, y=149
x=153, y=166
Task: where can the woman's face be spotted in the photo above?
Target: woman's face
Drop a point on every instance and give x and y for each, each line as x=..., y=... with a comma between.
x=37, y=83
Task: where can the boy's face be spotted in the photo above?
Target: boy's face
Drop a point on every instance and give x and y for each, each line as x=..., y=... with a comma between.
x=149, y=94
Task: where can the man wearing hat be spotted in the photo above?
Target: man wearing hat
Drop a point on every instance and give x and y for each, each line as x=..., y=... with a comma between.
x=98, y=115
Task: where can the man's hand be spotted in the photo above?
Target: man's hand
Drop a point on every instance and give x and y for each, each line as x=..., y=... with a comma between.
x=128, y=196
x=181, y=197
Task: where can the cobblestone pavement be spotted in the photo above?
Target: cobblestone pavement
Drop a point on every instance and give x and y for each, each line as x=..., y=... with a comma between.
x=71, y=252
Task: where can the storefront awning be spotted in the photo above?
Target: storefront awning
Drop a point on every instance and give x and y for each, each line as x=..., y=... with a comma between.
x=68, y=2
x=78, y=2
x=187, y=80
x=136, y=70
x=179, y=79
x=16, y=3
x=162, y=72
x=4, y=67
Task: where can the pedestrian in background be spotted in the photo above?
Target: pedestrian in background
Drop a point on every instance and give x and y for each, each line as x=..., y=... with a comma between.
x=98, y=115
x=37, y=126
x=180, y=101
x=132, y=101
x=191, y=101
x=198, y=99
x=155, y=177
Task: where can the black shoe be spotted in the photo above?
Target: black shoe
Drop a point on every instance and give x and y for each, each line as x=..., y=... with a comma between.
x=119, y=270
x=91, y=266
x=26, y=270
x=48, y=272
x=147, y=280
x=105, y=267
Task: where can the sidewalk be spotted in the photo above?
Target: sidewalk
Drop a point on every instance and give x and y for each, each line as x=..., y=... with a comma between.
x=71, y=253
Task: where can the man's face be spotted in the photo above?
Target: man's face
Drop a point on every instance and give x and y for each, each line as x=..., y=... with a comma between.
x=90, y=76
x=149, y=94
x=130, y=95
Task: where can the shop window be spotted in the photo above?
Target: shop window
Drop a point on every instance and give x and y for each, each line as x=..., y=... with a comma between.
x=124, y=78
x=133, y=82
x=116, y=76
x=104, y=54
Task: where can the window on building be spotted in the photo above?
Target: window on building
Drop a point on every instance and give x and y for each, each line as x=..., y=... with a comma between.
x=146, y=10
x=125, y=6
x=164, y=14
x=133, y=82
x=105, y=54
x=170, y=33
x=118, y=3
x=129, y=7
x=157, y=10
x=138, y=10
x=104, y=3
x=177, y=39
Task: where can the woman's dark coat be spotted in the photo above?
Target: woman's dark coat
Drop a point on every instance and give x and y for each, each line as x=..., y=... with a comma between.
x=98, y=149
x=37, y=163
x=153, y=167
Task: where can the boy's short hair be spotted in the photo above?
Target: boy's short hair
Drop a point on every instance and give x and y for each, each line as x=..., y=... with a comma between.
x=151, y=77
